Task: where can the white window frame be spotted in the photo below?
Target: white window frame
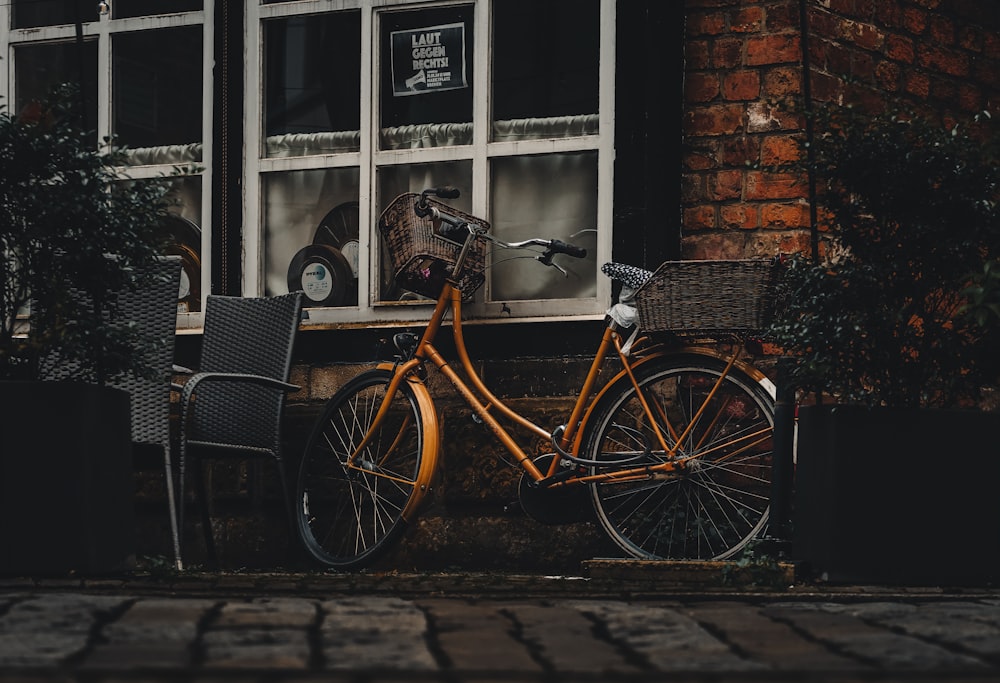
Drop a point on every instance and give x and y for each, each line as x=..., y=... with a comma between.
x=103, y=29
x=481, y=152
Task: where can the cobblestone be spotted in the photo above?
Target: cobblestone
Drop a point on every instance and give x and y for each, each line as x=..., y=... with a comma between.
x=129, y=632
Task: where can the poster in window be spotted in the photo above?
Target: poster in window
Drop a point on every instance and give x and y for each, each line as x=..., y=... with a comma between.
x=430, y=59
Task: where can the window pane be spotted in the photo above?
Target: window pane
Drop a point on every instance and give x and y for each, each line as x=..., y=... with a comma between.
x=30, y=13
x=144, y=8
x=311, y=235
x=426, y=78
x=157, y=98
x=312, y=91
x=396, y=180
x=41, y=69
x=184, y=225
x=552, y=196
x=183, y=231
x=545, y=71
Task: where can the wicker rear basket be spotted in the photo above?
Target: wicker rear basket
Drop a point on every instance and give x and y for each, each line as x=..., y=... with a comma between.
x=708, y=296
x=421, y=260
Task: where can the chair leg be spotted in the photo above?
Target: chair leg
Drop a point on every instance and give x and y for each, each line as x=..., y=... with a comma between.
x=203, y=495
x=172, y=507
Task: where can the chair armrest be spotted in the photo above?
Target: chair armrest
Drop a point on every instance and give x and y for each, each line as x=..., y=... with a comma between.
x=192, y=384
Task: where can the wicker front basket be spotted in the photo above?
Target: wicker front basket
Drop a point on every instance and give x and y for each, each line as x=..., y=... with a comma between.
x=708, y=296
x=422, y=260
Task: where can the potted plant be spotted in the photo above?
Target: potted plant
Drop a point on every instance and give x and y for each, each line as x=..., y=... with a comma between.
x=896, y=466
x=72, y=235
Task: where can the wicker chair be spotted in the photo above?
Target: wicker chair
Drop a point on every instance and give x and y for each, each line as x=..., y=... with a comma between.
x=153, y=308
x=232, y=406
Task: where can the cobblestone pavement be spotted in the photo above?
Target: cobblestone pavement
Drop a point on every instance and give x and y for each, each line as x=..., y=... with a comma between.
x=108, y=632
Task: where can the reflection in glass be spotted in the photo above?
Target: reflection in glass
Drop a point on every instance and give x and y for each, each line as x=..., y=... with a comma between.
x=312, y=91
x=32, y=13
x=145, y=8
x=182, y=232
x=546, y=70
x=312, y=235
x=157, y=96
x=393, y=181
x=426, y=79
x=551, y=196
x=42, y=68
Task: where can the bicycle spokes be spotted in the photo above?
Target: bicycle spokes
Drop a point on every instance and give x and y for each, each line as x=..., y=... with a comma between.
x=708, y=492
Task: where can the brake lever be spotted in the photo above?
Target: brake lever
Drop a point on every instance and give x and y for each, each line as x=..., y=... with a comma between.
x=546, y=258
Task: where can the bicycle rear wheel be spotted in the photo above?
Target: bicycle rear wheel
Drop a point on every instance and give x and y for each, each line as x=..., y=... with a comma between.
x=720, y=500
x=350, y=513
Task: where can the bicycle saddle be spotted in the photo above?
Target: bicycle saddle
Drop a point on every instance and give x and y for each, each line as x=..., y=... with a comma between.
x=633, y=277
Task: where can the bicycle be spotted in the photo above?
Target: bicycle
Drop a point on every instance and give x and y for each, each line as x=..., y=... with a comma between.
x=674, y=452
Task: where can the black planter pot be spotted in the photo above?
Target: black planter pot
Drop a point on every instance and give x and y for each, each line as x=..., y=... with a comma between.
x=898, y=496
x=66, y=486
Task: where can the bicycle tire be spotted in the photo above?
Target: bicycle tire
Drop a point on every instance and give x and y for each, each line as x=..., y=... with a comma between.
x=721, y=500
x=349, y=517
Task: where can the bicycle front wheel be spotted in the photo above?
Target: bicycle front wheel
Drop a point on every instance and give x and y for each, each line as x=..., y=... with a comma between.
x=350, y=510
x=718, y=501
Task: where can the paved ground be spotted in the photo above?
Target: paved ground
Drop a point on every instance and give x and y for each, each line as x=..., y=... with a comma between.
x=481, y=628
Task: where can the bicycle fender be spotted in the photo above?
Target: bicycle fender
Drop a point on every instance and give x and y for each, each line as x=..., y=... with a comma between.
x=745, y=367
x=432, y=433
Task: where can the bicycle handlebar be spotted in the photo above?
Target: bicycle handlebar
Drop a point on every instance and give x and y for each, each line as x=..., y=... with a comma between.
x=451, y=227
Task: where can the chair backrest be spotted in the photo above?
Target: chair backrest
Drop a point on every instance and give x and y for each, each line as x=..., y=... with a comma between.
x=253, y=336
x=153, y=308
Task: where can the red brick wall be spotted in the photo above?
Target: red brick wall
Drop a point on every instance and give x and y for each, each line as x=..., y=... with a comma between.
x=744, y=64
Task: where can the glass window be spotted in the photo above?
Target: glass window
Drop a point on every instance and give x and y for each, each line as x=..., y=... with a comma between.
x=546, y=70
x=426, y=78
x=550, y=196
x=145, y=8
x=32, y=13
x=184, y=226
x=312, y=88
x=157, y=100
x=41, y=69
x=311, y=234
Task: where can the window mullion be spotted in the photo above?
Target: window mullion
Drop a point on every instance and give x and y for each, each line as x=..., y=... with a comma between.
x=606, y=149
x=366, y=183
x=252, y=196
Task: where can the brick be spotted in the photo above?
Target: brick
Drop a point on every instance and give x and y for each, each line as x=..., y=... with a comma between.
x=714, y=120
x=699, y=218
x=747, y=20
x=763, y=185
x=725, y=185
x=727, y=53
x=711, y=24
x=782, y=81
x=784, y=216
x=741, y=150
x=741, y=85
x=900, y=48
x=738, y=216
x=780, y=149
x=941, y=59
x=775, y=49
x=701, y=87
